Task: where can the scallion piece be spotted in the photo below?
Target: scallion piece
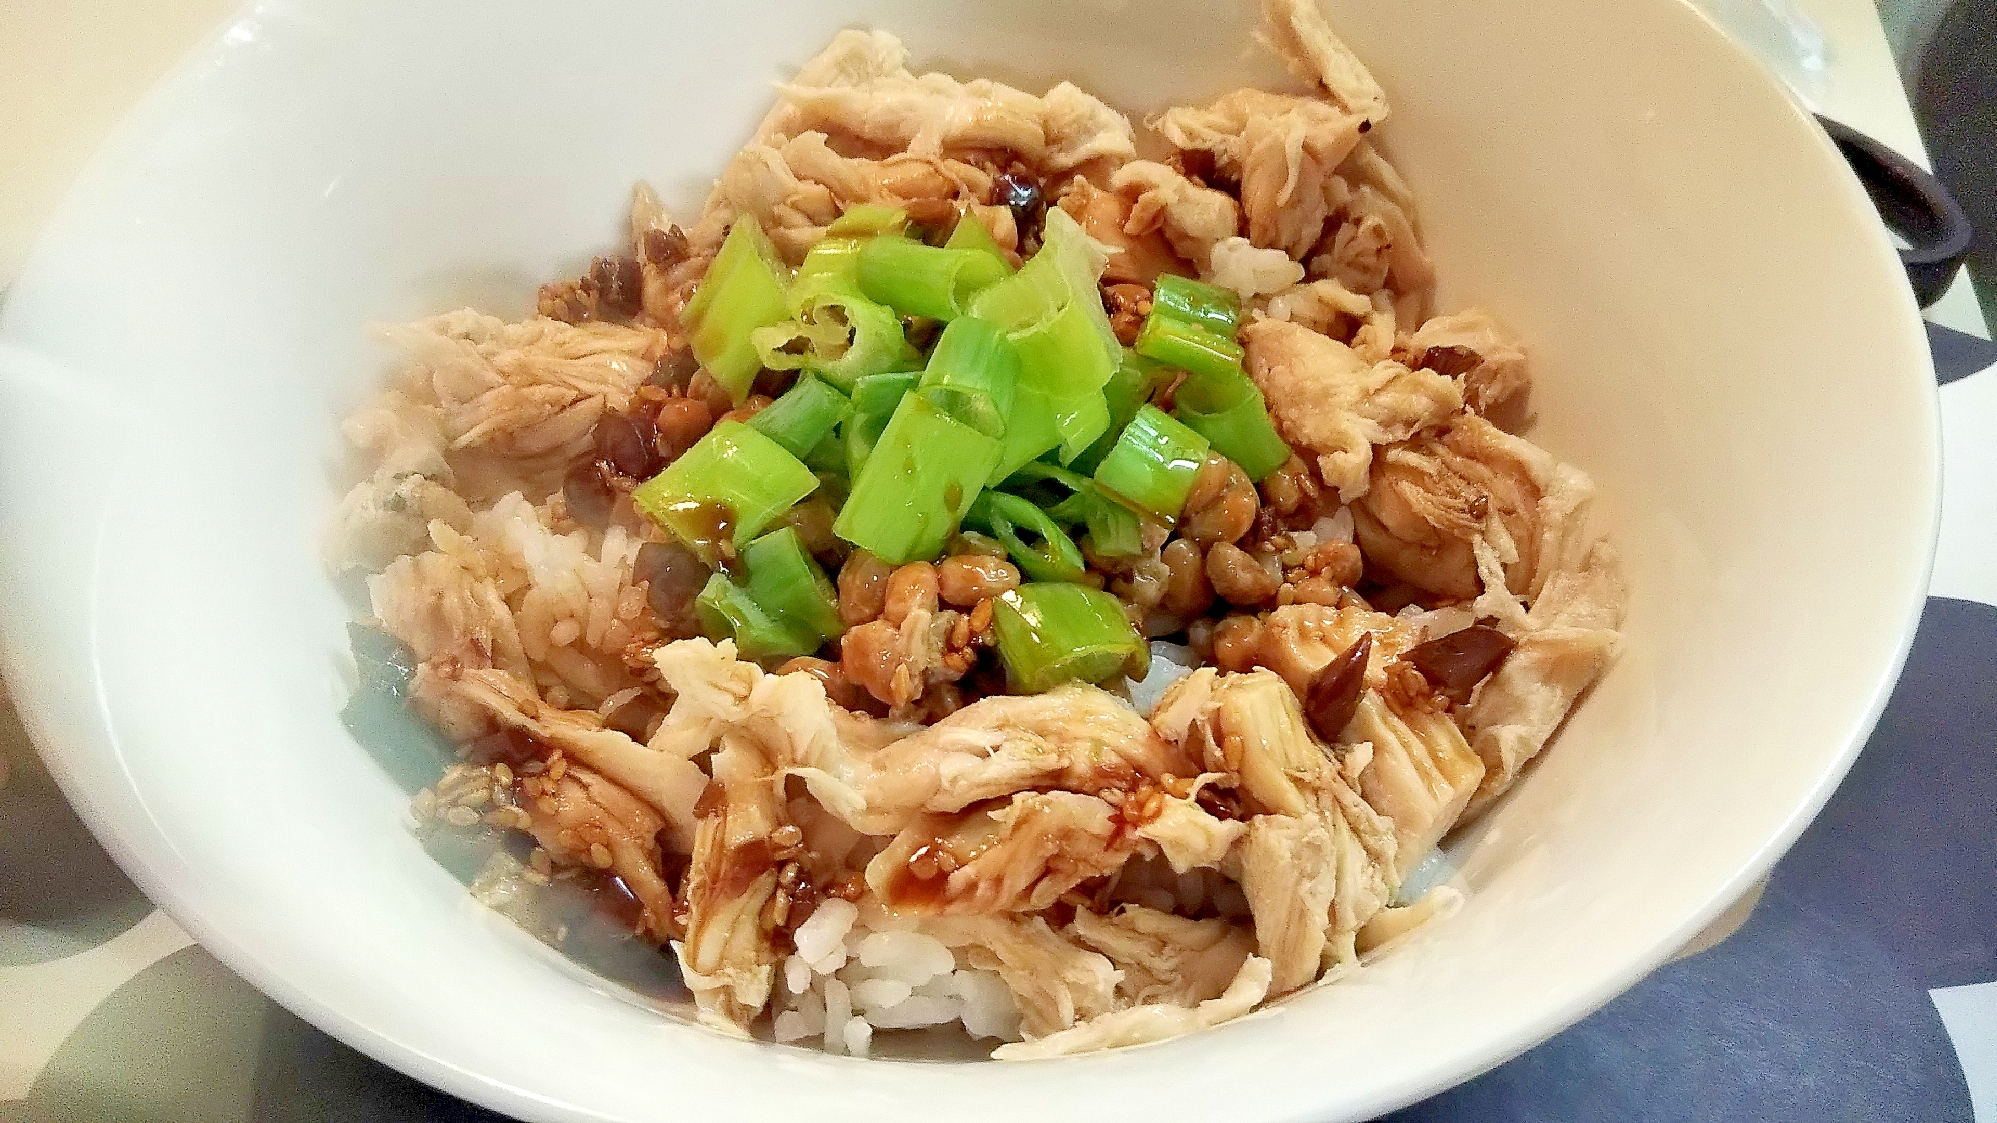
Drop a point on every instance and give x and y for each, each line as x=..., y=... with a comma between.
x=1050, y=556
x=1126, y=390
x=836, y=333
x=869, y=218
x=919, y=280
x=1188, y=346
x=1047, y=486
x=881, y=393
x=833, y=262
x=972, y=375
x=789, y=587
x=916, y=483
x=1081, y=419
x=1216, y=309
x=1153, y=464
x=1029, y=431
x=725, y=490
x=804, y=416
x=973, y=235
x=874, y=400
x=743, y=291
x=1049, y=634
x=1228, y=410
x=729, y=611
x=1052, y=311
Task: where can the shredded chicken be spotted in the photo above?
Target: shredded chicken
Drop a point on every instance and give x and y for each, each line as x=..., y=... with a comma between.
x=1471, y=343
x=1056, y=981
x=530, y=390
x=1299, y=640
x=1139, y=251
x=581, y=818
x=1299, y=34
x=860, y=88
x=1421, y=774
x=1285, y=151
x=1328, y=401
x=1390, y=926
x=1165, y=958
x=728, y=958
x=1016, y=857
x=878, y=776
x=1568, y=642
x=1432, y=500
x=1250, y=726
x=669, y=785
x=1192, y=217
x=1154, y=1022
x=1290, y=875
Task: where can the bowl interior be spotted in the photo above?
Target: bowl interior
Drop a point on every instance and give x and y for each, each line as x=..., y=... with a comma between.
x=1719, y=333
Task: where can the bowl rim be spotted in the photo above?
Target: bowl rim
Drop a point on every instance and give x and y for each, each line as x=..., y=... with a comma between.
x=60, y=748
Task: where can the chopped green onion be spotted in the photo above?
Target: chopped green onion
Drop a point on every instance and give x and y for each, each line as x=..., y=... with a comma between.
x=1053, y=312
x=973, y=235
x=837, y=334
x=1228, y=410
x=972, y=375
x=833, y=262
x=1047, y=485
x=1049, y=634
x=919, y=280
x=870, y=218
x=1029, y=431
x=743, y=291
x=1115, y=530
x=1216, y=309
x=1081, y=419
x=874, y=400
x=881, y=393
x=1188, y=346
x=790, y=588
x=916, y=483
x=727, y=610
x=1126, y=390
x=1153, y=464
x=1013, y=520
x=725, y=490
x=803, y=417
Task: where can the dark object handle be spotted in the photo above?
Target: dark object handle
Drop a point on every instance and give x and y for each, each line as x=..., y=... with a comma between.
x=1914, y=205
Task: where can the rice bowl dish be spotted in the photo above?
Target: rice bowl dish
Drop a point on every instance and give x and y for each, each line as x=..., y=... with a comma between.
x=975, y=576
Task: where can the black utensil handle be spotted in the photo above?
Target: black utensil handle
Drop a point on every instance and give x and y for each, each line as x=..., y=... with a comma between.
x=1914, y=205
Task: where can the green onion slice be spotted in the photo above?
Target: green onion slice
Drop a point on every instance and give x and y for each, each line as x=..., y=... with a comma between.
x=1229, y=411
x=1048, y=634
x=743, y=291
x=1014, y=521
x=1216, y=309
x=803, y=417
x=729, y=611
x=1188, y=346
x=972, y=375
x=789, y=586
x=971, y=234
x=725, y=490
x=1130, y=387
x=916, y=483
x=869, y=218
x=919, y=280
x=1153, y=464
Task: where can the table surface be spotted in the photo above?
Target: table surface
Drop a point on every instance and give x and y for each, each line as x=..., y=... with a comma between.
x=108, y=1011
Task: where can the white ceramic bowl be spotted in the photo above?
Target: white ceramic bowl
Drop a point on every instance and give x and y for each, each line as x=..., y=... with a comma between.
x=1720, y=332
